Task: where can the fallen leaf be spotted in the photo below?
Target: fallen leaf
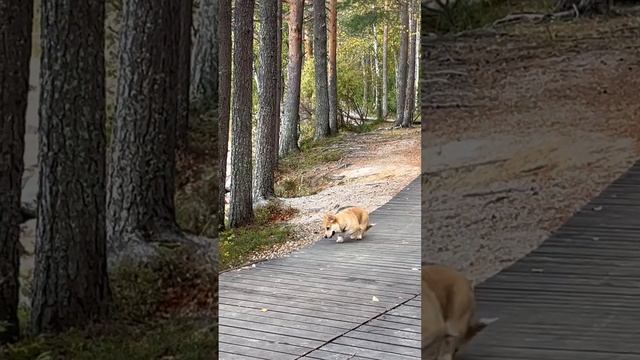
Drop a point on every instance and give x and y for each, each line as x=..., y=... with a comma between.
x=374, y=299
x=537, y=270
x=264, y=310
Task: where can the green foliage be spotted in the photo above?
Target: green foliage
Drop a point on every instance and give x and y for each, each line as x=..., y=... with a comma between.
x=297, y=174
x=137, y=291
x=308, y=82
x=238, y=246
x=143, y=325
x=176, y=338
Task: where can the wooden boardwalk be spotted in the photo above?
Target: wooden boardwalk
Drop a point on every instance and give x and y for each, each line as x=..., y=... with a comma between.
x=578, y=295
x=356, y=300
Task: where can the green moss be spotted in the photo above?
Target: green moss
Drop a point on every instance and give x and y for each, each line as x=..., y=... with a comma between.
x=237, y=246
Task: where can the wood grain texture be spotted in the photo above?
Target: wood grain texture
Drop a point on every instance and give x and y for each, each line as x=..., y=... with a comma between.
x=576, y=296
x=319, y=300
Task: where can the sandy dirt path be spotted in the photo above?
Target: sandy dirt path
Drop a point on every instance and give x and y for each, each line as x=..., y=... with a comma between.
x=547, y=117
x=376, y=166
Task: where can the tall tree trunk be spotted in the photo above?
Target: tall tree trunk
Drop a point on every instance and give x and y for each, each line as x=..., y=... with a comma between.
x=418, y=66
x=268, y=102
x=376, y=78
x=184, y=70
x=289, y=130
x=141, y=182
x=320, y=65
x=402, y=64
x=396, y=63
x=205, y=58
x=333, y=78
x=71, y=286
x=407, y=118
x=15, y=40
x=365, y=81
x=385, y=71
x=224, y=56
x=280, y=85
x=241, y=207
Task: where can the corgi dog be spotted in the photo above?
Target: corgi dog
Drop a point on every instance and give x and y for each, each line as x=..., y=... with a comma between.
x=448, y=309
x=353, y=221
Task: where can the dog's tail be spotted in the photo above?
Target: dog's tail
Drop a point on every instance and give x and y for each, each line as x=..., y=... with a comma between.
x=370, y=226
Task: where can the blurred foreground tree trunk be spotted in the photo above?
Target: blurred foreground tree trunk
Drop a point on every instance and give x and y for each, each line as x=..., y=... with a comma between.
x=184, y=70
x=71, y=285
x=15, y=37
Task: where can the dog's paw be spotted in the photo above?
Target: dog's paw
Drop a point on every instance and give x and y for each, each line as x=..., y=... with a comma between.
x=359, y=237
x=352, y=237
x=340, y=239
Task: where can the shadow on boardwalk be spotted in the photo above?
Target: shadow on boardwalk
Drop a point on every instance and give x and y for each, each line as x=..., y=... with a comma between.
x=355, y=300
x=577, y=295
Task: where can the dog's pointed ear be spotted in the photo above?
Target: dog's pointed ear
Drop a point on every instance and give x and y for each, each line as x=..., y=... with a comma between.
x=330, y=217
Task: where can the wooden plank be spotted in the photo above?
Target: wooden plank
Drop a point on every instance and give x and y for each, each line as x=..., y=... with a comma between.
x=327, y=300
x=576, y=296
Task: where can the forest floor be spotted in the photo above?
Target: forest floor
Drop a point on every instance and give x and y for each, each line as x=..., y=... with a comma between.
x=548, y=115
x=358, y=169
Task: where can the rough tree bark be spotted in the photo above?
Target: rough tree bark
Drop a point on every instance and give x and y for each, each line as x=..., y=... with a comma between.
x=320, y=65
x=184, y=70
x=376, y=79
x=289, y=129
x=205, y=58
x=407, y=118
x=402, y=64
x=241, y=207
x=141, y=176
x=280, y=84
x=71, y=286
x=333, y=78
x=268, y=101
x=365, y=80
x=418, y=65
x=385, y=71
x=224, y=56
x=15, y=38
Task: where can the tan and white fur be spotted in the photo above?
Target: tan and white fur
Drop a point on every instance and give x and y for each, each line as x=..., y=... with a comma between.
x=448, y=310
x=351, y=221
